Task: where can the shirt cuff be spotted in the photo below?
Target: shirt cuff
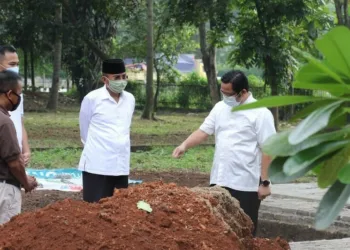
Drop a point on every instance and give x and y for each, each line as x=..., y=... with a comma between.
x=206, y=130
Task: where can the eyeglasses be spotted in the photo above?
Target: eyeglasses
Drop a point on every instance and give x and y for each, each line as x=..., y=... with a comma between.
x=233, y=94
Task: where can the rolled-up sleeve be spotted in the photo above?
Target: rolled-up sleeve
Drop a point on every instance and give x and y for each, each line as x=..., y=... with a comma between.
x=208, y=125
x=9, y=149
x=265, y=126
x=85, y=118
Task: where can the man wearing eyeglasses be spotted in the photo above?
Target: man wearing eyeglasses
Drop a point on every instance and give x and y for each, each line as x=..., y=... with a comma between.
x=9, y=61
x=239, y=164
x=105, y=121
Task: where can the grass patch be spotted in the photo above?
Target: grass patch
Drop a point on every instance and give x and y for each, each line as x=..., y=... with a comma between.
x=60, y=130
x=57, y=131
x=55, y=158
x=173, y=123
x=53, y=130
x=48, y=130
x=158, y=159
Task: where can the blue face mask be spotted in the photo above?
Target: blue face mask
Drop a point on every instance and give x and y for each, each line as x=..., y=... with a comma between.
x=231, y=100
x=14, y=69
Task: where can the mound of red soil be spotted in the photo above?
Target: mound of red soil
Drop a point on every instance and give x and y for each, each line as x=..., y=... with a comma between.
x=181, y=219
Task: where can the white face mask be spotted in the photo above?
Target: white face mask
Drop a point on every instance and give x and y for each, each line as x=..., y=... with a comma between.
x=230, y=100
x=117, y=86
x=14, y=69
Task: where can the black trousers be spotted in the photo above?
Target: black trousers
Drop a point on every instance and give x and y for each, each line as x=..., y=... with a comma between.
x=96, y=187
x=249, y=202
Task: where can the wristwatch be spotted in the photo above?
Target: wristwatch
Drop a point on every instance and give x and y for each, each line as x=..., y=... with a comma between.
x=265, y=183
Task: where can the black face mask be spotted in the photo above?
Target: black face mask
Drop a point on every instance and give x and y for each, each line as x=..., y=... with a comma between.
x=15, y=106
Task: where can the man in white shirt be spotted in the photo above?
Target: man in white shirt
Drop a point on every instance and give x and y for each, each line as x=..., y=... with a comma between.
x=105, y=121
x=239, y=164
x=9, y=61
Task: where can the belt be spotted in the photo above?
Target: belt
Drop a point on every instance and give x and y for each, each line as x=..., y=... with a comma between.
x=11, y=182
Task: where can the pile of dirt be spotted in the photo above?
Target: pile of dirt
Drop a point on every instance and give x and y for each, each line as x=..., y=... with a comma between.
x=181, y=219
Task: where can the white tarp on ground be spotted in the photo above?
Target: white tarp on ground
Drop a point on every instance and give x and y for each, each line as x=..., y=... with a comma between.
x=66, y=179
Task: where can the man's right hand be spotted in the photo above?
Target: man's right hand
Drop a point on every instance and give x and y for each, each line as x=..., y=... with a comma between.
x=32, y=184
x=179, y=151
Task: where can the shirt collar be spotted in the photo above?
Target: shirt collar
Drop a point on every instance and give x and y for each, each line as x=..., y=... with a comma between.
x=250, y=99
x=106, y=95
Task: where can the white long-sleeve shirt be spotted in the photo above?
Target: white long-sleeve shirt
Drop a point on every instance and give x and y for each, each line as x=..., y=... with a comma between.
x=105, y=132
x=238, y=140
x=16, y=117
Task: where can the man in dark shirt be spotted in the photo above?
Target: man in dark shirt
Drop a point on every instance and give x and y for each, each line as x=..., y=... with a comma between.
x=12, y=169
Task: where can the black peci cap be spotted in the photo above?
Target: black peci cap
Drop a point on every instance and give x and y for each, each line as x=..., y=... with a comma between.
x=113, y=66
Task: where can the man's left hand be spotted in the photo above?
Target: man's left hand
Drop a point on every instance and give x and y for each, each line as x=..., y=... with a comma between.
x=263, y=192
x=26, y=158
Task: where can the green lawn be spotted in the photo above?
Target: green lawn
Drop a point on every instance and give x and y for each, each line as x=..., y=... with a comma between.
x=60, y=130
x=59, y=133
x=157, y=159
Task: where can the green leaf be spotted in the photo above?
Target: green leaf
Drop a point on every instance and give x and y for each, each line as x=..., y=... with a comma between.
x=277, y=175
x=328, y=174
x=277, y=101
x=331, y=205
x=333, y=88
x=317, y=169
x=309, y=109
x=338, y=119
x=315, y=122
x=144, y=206
x=320, y=67
x=335, y=47
x=311, y=74
x=286, y=149
x=308, y=156
x=344, y=174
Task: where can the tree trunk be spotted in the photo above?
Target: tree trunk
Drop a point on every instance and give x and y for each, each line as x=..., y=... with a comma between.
x=341, y=9
x=25, y=55
x=271, y=79
x=32, y=72
x=52, y=104
x=67, y=83
x=269, y=70
x=274, y=92
x=209, y=62
x=148, y=110
x=155, y=107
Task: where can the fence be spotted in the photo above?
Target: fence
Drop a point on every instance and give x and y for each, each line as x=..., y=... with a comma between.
x=195, y=97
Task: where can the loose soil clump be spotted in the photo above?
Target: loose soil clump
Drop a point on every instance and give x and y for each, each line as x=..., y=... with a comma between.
x=181, y=219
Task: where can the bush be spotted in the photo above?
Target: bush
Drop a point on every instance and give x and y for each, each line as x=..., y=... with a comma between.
x=255, y=81
x=193, y=92
x=138, y=89
x=72, y=92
